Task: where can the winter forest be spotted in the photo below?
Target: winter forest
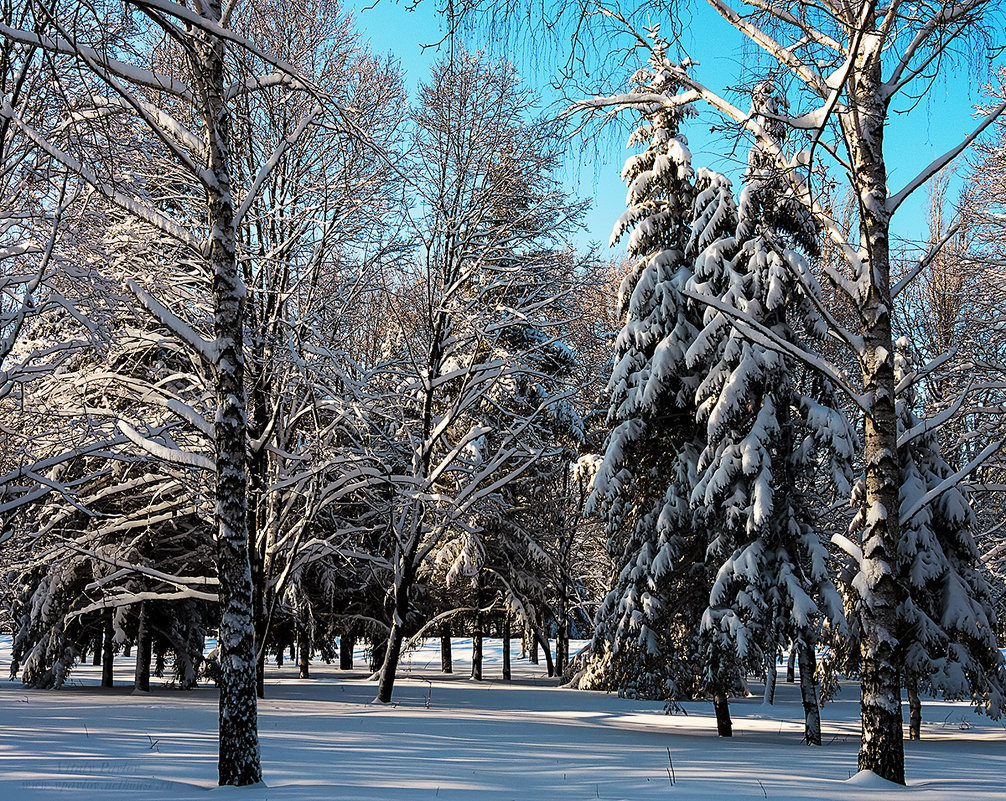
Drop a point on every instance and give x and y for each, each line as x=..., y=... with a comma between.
x=344, y=455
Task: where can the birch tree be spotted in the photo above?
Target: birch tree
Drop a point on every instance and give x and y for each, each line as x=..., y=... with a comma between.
x=183, y=98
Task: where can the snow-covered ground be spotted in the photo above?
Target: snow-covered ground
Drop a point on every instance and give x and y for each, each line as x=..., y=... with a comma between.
x=447, y=737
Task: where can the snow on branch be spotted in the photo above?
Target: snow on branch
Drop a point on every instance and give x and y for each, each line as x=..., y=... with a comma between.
x=130, y=598
x=927, y=258
x=951, y=481
x=173, y=455
x=939, y=163
x=207, y=350
x=764, y=336
x=130, y=205
x=121, y=69
x=266, y=169
x=131, y=567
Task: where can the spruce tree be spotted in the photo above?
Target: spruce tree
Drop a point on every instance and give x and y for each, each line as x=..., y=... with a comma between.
x=766, y=432
x=947, y=624
x=645, y=630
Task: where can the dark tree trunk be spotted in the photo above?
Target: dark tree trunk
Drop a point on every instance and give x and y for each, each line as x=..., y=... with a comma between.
x=721, y=706
x=98, y=643
x=808, y=692
x=404, y=576
x=346, y=644
x=561, y=641
x=477, y=649
x=914, y=710
x=791, y=664
x=141, y=676
x=378, y=650
x=304, y=651
x=543, y=640
x=506, y=647
x=532, y=647
x=771, y=675
x=108, y=648
x=446, y=660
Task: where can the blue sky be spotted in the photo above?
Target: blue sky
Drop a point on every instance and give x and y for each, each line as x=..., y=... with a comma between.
x=592, y=170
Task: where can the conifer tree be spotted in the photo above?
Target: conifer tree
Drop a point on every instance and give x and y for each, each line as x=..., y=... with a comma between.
x=947, y=621
x=766, y=432
x=644, y=642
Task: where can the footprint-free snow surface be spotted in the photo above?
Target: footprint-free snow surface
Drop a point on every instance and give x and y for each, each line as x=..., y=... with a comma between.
x=448, y=737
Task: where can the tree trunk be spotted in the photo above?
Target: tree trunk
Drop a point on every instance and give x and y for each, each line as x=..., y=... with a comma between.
x=541, y=638
x=378, y=652
x=141, y=675
x=808, y=692
x=98, y=644
x=532, y=647
x=791, y=664
x=446, y=661
x=882, y=749
x=239, y=761
x=304, y=651
x=721, y=706
x=108, y=648
x=346, y=644
x=506, y=647
x=477, y=648
x=393, y=652
x=914, y=709
x=561, y=638
x=771, y=674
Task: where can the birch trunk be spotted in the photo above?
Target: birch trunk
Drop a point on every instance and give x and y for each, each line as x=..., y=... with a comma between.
x=882, y=749
x=304, y=651
x=239, y=761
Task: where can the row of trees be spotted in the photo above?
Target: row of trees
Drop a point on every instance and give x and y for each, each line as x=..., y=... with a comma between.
x=253, y=315
x=302, y=364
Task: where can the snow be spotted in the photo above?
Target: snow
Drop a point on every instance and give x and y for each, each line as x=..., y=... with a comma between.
x=448, y=737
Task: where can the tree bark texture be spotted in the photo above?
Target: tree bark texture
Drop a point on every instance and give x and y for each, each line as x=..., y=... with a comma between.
x=239, y=761
x=882, y=748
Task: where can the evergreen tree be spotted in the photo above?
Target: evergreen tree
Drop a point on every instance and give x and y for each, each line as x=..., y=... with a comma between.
x=645, y=630
x=766, y=432
x=947, y=621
